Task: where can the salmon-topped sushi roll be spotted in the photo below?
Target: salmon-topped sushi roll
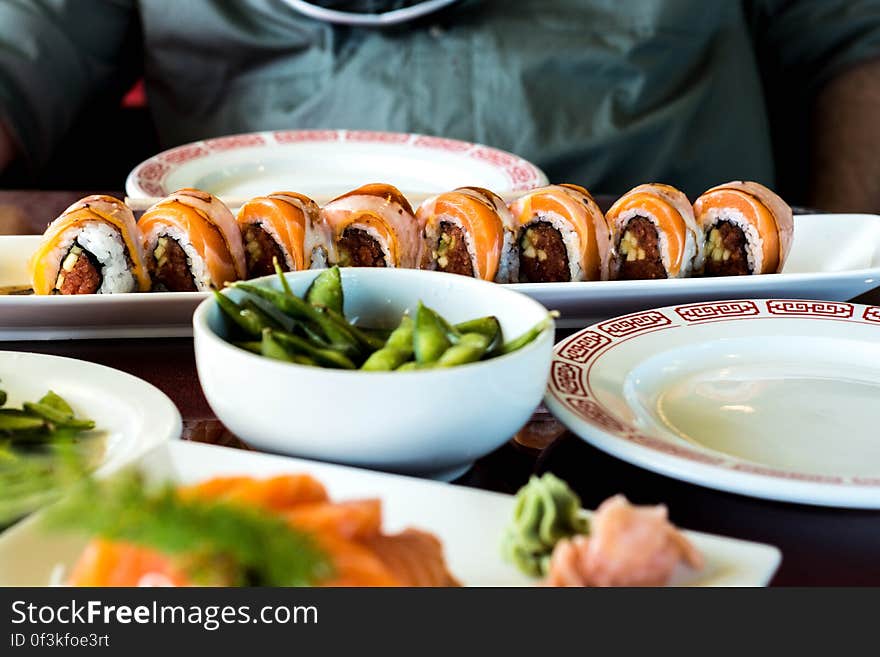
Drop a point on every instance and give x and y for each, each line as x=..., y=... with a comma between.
x=655, y=234
x=192, y=243
x=286, y=226
x=469, y=231
x=374, y=226
x=562, y=235
x=748, y=229
x=93, y=247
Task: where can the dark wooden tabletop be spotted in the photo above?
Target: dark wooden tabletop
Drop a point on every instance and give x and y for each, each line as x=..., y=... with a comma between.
x=820, y=546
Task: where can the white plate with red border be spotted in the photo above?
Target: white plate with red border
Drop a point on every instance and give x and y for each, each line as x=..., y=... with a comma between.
x=778, y=398
x=326, y=163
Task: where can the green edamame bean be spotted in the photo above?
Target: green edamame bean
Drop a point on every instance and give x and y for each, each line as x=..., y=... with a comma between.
x=470, y=348
x=397, y=350
x=267, y=314
x=411, y=366
x=326, y=290
x=297, y=308
x=488, y=326
x=527, y=337
x=271, y=348
x=246, y=322
x=430, y=338
x=57, y=417
x=251, y=346
x=367, y=341
x=285, y=286
x=13, y=419
x=57, y=402
x=326, y=357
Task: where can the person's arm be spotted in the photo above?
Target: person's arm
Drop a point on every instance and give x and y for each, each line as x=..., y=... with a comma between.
x=846, y=142
x=54, y=57
x=822, y=88
x=7, y=147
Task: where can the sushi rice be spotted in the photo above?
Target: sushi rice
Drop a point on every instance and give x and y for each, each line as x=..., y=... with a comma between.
x=194, y=262
x=106, y=245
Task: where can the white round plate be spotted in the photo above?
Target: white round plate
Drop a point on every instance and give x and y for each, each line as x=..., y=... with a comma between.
x=133, y=415
x=770, y=398
x=325, y=163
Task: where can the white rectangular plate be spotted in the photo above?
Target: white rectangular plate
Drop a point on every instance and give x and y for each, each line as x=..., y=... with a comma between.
x=834, y=257
x=470, y=522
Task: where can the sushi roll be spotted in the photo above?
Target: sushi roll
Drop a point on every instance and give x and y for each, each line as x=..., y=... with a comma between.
x=286, y=226
x=562, y=235
x=654, y=234
x=374, y=226
x=192, y=243
x=748, y=229
x=469, y=231
x=93, y=247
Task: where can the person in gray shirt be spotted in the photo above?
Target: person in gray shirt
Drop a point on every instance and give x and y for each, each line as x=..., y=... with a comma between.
x=602, y=93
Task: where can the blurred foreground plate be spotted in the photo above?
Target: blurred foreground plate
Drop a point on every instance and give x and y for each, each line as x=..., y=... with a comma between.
x=468, y=521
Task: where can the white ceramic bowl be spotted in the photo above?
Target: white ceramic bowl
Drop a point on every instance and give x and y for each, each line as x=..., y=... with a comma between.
x=432, y=423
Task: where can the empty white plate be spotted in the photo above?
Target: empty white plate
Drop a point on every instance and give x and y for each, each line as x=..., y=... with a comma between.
x=469, y=522
x=770, y=398
x=326, y=163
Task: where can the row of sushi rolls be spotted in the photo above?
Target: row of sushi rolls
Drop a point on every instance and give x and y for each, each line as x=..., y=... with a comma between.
x=191, y=241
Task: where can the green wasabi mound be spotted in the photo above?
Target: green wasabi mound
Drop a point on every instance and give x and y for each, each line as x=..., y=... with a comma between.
x=546, y=511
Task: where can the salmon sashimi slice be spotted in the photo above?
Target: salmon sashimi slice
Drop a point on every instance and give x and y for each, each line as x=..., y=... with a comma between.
x=414, y=557
x=108, y=563
x=352, y=520
x=275, y=493
x=355, y=564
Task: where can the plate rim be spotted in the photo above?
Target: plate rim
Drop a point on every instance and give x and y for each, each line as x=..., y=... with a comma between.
x=702, y=466
x=147, y=179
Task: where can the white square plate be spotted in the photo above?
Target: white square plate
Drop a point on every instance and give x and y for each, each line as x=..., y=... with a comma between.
x=470, y=522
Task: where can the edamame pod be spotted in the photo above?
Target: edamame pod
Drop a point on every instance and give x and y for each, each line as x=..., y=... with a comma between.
x=430, y=338
x=271, y=348
x=488, y=326
x=397, y=350
x=528, y=336
x=299, y=309
x=326, y=290
x=328, y=357
x=247, y=323
x=469, y=349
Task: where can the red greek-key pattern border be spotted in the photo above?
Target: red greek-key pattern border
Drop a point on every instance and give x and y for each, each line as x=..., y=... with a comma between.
x=701, y=312
x=568, y=377
x=635, y=323
x=801, y=308
x=582, y=346
x=151, y=175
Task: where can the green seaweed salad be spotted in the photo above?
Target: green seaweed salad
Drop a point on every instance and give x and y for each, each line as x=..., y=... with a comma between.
x=313, y=330
x=44, y=447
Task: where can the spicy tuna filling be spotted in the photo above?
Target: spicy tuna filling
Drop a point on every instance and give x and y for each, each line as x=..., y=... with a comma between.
x=726, y=251
x=452, y=253
x=543, y=256
x=169, y=267
x=260, y=250
x=639, y=250
x=357, y=248
x=80, y=273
